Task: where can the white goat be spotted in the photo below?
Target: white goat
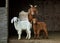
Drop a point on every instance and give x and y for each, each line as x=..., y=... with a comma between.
x=22, y=25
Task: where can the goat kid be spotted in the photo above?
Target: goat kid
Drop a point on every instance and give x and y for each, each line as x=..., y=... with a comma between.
x=38, y=26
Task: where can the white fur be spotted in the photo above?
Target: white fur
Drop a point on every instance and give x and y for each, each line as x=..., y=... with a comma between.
x=22, y=25
x=23, y=16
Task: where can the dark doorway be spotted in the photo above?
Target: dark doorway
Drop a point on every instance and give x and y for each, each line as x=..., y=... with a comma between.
x=48, y=9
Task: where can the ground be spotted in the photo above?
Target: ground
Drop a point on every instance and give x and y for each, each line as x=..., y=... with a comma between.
x=54, y=37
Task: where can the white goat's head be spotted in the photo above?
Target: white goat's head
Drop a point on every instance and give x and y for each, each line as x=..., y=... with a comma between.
x=14, y=19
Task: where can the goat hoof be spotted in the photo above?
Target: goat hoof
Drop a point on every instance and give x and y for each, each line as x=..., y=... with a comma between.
x=18, y=38
x=34, y=37
x=46, y=37
x=26, y=38
x=29, y=38
x=37, y=37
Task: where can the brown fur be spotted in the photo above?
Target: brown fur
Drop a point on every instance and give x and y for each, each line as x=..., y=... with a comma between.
x=37, y=26
x=30, y=10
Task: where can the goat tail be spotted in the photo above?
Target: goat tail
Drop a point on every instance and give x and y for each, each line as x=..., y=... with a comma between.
x=12, y=20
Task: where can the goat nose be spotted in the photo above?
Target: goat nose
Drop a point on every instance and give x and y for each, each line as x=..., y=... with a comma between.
x=33, y=16
x=32, y=13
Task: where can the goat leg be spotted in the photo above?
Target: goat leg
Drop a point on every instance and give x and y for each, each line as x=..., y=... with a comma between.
x=46, y=33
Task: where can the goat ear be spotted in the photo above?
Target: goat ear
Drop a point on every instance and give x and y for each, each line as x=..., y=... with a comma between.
x=12, y=20
x=31, y=5
x=35, y=6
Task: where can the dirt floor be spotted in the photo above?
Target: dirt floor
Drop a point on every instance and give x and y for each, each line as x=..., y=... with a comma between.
x=54, y=37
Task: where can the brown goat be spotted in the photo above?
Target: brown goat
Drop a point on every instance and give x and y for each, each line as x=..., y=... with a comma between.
x=32, y=11
x=38, y=26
